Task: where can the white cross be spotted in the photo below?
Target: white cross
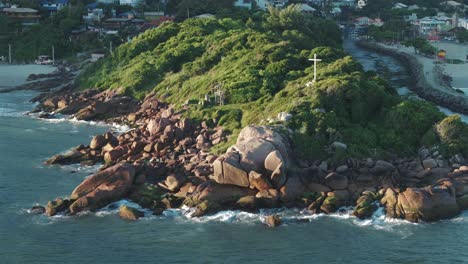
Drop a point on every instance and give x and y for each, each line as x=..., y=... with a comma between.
x=315, y=60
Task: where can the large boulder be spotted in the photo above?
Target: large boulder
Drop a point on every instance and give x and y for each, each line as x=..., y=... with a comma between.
x=102, y=188
x=422, y=204
x=254, y=151
x=268, y=134
x=217, y=194
x=98, y=142
x=273, y=160
x=229, y=171
x=336, y=181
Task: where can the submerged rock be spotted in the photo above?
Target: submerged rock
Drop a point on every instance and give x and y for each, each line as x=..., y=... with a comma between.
x=273, y=220
x=37, y=209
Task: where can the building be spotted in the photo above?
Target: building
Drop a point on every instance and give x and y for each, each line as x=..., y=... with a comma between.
x=433, y=25
x=244, y=3
x=26, y=16
x=264, y=4
x=463, y=23
x=130, y=2
x=109, y=2
x=366, y=21
x=53, y=6
x=116, y=23
x=94, y=16
x=305, y=8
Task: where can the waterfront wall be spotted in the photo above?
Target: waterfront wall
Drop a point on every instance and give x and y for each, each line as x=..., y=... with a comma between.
x=418, y=83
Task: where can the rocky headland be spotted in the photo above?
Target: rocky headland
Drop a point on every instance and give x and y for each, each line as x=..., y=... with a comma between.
x=164, y=161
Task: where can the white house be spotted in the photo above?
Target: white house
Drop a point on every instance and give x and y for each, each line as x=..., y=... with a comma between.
x=463, y=22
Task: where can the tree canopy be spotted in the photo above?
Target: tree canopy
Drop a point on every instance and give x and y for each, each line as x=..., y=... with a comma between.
x=261, y=64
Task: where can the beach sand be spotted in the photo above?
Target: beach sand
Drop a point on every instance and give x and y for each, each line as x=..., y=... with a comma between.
x=459, y=72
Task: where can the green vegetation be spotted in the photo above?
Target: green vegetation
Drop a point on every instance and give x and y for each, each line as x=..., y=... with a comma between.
x=54, y=31
x=262, y=66
x=422, y=46
x=392, y=30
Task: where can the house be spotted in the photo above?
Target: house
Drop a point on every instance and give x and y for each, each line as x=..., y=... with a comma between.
x=431, y=25
x=244, y=3
x=463, y=23
x=94, y=16
x=130, y=2
x=107, y=2
x=452, y=4
x=336, y=11
x=305, y=8
x=53, y=6
x=129, y=15
x=95, y=56
x=25, y=16
x=116, y=23
x=205, y=16
x=400, y=6
x=152, y=15
x=366, y=21
x=264, y=4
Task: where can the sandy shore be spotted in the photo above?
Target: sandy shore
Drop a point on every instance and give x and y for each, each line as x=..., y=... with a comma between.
x=459, y=72
x=13, y=75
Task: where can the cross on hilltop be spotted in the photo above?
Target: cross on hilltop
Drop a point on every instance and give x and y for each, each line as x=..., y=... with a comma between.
x=315, y=60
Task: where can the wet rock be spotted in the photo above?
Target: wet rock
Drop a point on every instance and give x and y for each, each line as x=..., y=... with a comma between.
x=217, y=193
x=172, y=182
x=365, y=205
x=56, y=206
x=130, y=213
x=37, y=209
x=98, y=142
x=248, y=203
x=102, y=188
x=70, y=157
x=273, y=220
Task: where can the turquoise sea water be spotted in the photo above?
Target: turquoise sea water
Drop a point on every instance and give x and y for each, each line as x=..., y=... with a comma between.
x=227, y=237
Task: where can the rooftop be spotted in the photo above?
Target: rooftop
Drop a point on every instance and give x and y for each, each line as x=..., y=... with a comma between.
x=20, y=10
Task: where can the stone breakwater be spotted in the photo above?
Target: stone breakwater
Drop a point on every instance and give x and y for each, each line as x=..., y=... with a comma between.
x=419, y=84
x=164, y=162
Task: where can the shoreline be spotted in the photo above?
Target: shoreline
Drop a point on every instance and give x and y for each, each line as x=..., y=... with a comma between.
x=164, y=163
x=419, y=84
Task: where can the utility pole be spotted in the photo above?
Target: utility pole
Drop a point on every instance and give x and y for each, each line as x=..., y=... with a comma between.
x=53, y=55
x=9, y=53
x=110, y=47
x=188, y=13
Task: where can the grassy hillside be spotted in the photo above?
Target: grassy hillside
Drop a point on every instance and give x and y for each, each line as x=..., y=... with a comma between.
x=262, y=66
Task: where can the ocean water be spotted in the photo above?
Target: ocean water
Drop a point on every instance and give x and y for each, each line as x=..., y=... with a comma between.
x=226, y=237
